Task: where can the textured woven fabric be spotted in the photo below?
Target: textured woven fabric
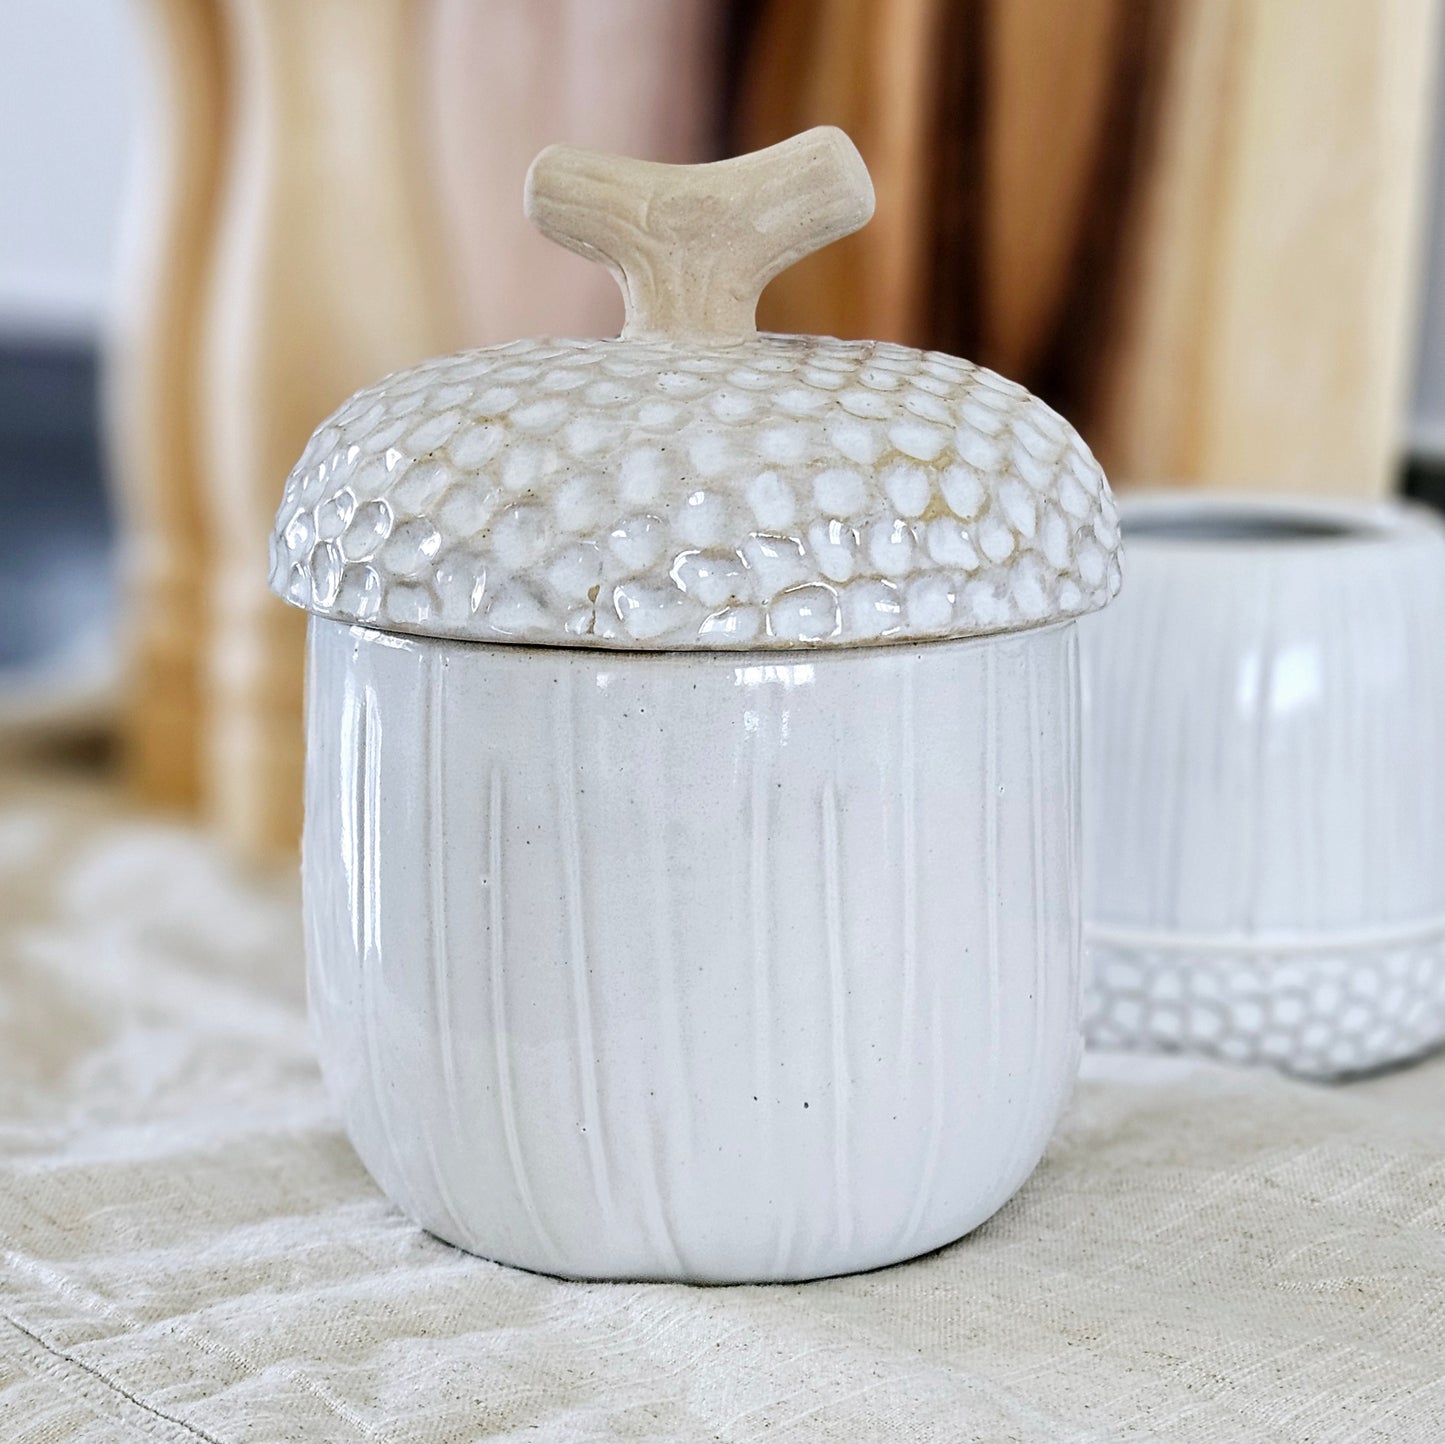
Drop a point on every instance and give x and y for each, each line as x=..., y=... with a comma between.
x=189, y=1249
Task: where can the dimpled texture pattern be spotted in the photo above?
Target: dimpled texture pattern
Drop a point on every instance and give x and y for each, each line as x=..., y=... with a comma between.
x=1324, y=1013
x=652, y=494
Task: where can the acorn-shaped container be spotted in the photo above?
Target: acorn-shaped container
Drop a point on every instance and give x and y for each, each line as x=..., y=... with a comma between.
x=692, y=852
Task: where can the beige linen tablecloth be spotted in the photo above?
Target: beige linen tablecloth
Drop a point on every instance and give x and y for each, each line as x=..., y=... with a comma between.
x=189, y=1249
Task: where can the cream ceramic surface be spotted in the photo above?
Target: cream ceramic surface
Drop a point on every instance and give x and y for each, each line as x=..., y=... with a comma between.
x=777, y=492
x=704, y=941
x=693, y=484
x=1265, y=773
x=706, y=967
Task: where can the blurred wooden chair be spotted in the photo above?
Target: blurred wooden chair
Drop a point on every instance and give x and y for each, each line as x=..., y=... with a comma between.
x=153, y=412
x=286, y=255
x=1190, y=224
x=290, y=249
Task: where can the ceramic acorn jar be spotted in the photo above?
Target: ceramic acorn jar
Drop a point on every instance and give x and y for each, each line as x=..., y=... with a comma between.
x=1265, y=771
x=691, y=857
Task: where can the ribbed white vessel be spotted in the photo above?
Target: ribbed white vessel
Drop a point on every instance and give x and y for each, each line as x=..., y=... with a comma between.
x=1265, y=745
x=713, y=967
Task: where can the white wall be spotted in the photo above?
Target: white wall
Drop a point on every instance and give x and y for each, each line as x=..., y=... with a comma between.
x=70, y=72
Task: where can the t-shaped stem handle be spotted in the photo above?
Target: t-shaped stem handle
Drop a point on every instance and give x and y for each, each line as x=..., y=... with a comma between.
x=692, y=246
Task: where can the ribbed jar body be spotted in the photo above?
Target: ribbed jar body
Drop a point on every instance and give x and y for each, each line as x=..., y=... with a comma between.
x=695, y=966
x=1265, y=778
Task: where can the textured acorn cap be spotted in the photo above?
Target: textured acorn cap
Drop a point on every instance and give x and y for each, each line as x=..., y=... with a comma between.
x=694, y=484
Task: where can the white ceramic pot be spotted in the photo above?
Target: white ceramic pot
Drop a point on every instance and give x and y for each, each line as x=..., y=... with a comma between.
x=692, y=881
x=1265, y=728
x=718, y=967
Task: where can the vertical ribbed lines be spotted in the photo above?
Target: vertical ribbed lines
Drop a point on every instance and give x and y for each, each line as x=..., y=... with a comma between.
x=324, y=912
x=1124, y=744
x=1168, y=838
x=433, y=798
x=1070, y=875
x=1359, y=762
x=368, y=826
x=908, y=857
x=675, y=1113
x=838, y=992
x=760, y=928
x=1253, y=719
x=1038, y=995
x=1371, y=764
x=1428, y=708
x=591, y=999
x=1265, y=769
x=1252, y=852
x=367, y=831
x=991, y=845
x=917, y=1019
x=574, y=903
x=1152, y=860
x=348, y=815
x=501, y=1037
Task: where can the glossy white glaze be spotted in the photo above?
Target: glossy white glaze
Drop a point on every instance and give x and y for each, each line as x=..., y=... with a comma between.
x=1265, y=744
x=767, y=492
x=727, y=967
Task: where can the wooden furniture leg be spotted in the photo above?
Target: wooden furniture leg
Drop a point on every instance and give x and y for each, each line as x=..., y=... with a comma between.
x=329, y=274
x=1269, y=331
x=152, y=398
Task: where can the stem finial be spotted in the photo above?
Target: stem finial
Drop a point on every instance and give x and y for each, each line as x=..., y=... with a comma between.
x=692, y=246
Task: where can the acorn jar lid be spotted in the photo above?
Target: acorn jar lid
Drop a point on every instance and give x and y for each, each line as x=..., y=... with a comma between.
x=693, y=483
